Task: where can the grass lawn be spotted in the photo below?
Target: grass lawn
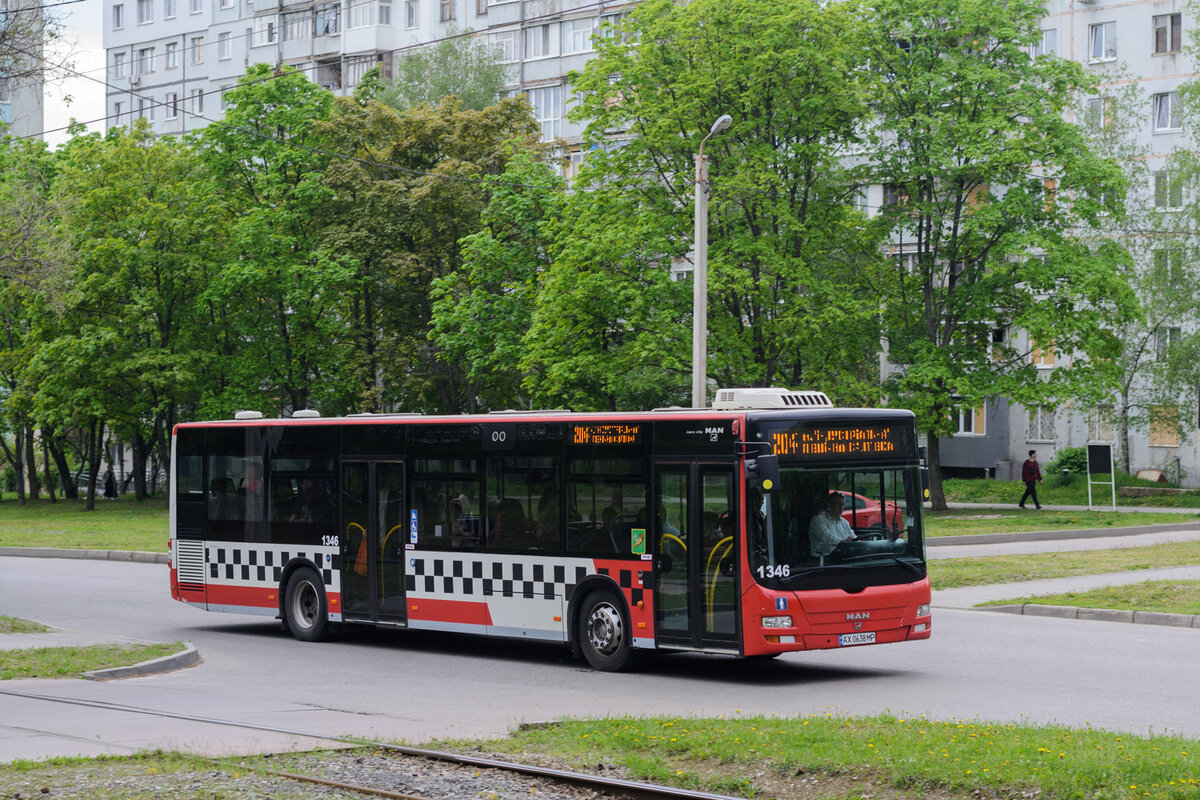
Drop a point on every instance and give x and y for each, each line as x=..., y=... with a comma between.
x=1073, y=491
x=115, y=525
x=969, y=522
x=16, y=625
x=68, y=662
x=1175, y=597
x=951, y=573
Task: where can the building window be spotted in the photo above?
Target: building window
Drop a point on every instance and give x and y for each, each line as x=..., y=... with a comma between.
x=385, y=13
x=1168, y=33
x=481, y=8
x=172, y=105
x=1100, y=424
x=145, y=11
x=226, y=3
x=224, y=101
x=171, y=59
x=197, y=101
x=195, y=6
x=264, y=31
x=1164, y=340
x=1103, y=37
x=445, y=10
x=145, y=61
x=118, y=65
x=145, y=109
x=297, y=26
x=118, y=110
x=547, y=110
x=1168, y=192
x=577, y=35
x=118, y=18
x=1168, y=265
x=538, y=42
x=1166, y=112
x=327, y=19
x=197, y=49
x=1041, y=356
x=412, y=17
x=505, y=46
x=1041, y=424
x=356, y=68
x=1048, y=45
x=168, y=9
x=1101, y=113
x=224, y=47
x=1164, y=426
x=972, y=421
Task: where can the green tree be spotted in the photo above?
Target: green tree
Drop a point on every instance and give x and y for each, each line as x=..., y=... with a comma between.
x=128, y=340
x=461, y=64
x=785, y=246
x=986, y=181
x=274, y=302
x=482, y=311
x=398, y=212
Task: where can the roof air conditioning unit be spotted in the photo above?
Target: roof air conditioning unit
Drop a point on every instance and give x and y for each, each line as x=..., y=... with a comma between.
x=306, y=413
x=757, y=398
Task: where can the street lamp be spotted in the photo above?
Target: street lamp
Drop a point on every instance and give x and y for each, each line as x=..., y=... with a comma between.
x=700, y=273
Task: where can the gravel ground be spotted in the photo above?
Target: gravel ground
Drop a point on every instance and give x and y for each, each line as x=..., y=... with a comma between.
x=175, y=780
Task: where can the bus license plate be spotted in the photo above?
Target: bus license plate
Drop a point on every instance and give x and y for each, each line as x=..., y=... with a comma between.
x=856, y=638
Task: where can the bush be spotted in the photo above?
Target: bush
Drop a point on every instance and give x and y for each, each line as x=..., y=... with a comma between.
x=1071, y=459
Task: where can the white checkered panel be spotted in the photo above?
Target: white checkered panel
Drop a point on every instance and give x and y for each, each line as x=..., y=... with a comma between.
x=261, y=565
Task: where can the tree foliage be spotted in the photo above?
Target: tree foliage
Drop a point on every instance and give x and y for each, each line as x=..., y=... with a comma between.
x=460, y=65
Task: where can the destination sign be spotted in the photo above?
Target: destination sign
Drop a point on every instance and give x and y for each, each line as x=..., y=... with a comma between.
x=845, y=441
x=606, y=434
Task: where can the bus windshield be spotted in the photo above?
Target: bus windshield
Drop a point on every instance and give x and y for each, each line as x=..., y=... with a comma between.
x=847, y=527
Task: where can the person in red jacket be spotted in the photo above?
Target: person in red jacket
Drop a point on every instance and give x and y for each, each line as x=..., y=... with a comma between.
x=1031, y=473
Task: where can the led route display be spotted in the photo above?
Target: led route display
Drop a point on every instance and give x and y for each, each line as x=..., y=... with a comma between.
x=844, y=441
x=606, y=434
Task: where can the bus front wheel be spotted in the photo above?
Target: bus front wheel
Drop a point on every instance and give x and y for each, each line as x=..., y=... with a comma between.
x=604, y=634
x=304, y=607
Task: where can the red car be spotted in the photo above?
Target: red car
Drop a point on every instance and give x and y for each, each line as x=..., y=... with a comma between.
x=863, y=512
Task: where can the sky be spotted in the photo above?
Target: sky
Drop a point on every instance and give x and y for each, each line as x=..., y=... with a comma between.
x=82, y=44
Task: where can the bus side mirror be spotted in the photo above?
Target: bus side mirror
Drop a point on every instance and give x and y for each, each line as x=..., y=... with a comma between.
x=763, y=472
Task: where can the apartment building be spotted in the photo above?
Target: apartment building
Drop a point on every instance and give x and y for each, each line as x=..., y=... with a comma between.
x=21, y=103
x=171, y=61
x=1137, y=45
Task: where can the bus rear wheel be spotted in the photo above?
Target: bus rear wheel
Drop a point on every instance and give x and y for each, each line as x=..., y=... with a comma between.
x=603, y=633
x=305, y=608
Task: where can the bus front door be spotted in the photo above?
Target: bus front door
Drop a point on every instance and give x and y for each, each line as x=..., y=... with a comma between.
x=695, y=539
x=374, y=529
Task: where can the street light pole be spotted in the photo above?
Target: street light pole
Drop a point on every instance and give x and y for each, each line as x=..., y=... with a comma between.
x=700, y=273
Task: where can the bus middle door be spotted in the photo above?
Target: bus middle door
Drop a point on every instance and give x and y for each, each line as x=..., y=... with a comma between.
x=374, y=530
x=695, y=534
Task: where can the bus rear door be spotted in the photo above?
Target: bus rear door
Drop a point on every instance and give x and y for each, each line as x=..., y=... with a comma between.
x=374, y=529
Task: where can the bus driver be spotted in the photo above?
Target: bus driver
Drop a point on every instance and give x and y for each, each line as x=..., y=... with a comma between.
x=828, y=528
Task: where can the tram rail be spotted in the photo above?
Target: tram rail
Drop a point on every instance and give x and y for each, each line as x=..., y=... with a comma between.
x=618, y=788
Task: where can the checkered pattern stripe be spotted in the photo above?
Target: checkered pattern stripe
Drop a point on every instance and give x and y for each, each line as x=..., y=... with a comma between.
x=262, y=564
x=436, y=574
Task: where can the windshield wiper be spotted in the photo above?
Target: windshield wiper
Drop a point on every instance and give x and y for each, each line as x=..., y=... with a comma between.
x=892, y=556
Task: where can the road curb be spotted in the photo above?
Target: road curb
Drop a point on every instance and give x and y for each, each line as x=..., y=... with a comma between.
x=139, y=556
x=1102, y=614
x=189, y=656
x=1045, y=536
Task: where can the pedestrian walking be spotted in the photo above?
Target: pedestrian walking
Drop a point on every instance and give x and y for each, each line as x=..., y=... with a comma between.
x=1031, y=473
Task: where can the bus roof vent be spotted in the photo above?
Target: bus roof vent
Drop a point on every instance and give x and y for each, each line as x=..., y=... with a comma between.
x=248, y=415
x=734, y=399
x=305, y=413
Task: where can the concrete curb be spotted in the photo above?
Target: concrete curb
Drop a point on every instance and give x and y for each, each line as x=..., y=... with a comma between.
x=189, y=656
x=1046, y=536
x=1102, y=614
x=101, y=555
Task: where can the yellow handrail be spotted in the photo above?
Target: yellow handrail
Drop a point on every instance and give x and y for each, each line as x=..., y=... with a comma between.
x=666, y=536
x=712, y=583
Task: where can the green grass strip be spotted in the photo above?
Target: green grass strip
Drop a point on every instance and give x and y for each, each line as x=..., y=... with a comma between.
x=17, y=625
x=68, y=662
x=952, y=573
x=1173, y=597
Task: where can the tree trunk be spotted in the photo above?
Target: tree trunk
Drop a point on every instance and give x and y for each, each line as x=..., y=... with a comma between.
x=69, y=489
x=18, y=462
x=94, y=455
x=1122, y=436
x=49, y=471
x=35, y=486
x=140, y=449
x=937, y=493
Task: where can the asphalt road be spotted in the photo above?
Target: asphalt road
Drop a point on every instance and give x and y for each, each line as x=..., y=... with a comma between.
x=410, y=686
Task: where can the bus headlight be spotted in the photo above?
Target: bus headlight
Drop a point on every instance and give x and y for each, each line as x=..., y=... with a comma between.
x=777, y=622
x=923, y=610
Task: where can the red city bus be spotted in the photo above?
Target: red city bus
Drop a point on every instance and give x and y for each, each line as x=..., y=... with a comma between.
x=676, y=529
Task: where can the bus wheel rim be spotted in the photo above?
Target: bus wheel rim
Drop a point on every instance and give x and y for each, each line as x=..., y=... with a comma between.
x=305, y=604
x=605, y=631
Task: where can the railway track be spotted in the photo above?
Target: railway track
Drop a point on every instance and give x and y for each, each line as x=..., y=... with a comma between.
x=392, y=763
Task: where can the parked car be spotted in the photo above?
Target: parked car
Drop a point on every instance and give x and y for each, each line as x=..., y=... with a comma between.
x=863, y=513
